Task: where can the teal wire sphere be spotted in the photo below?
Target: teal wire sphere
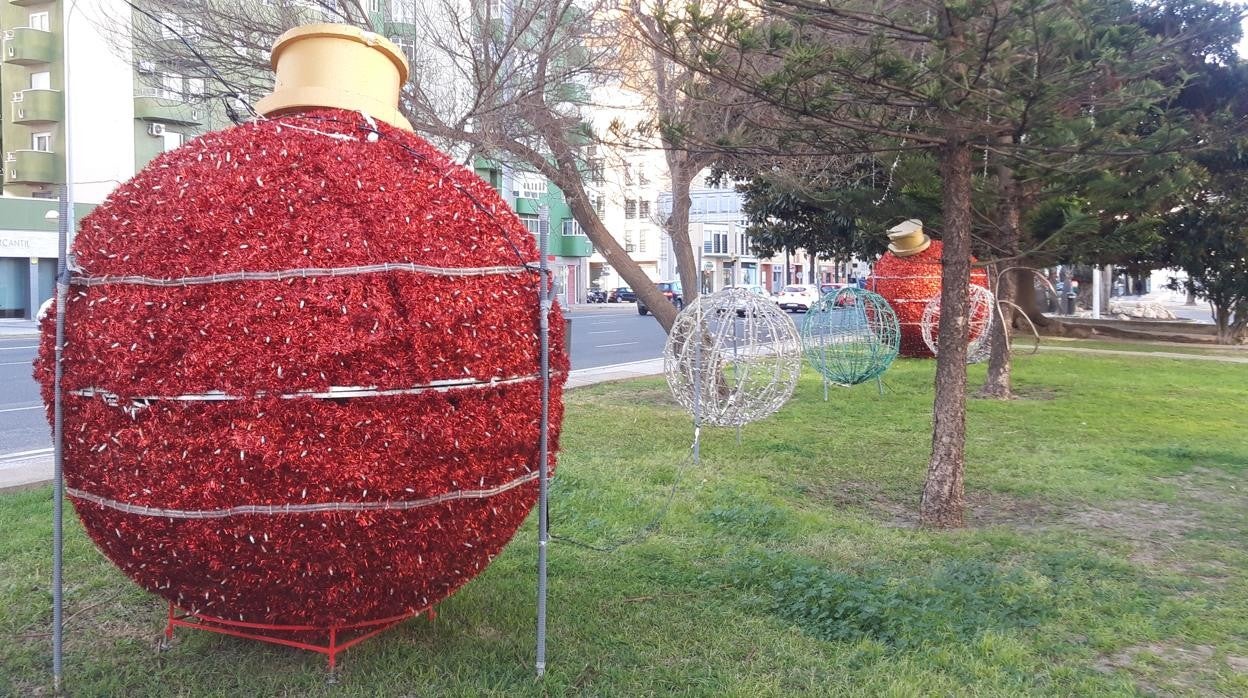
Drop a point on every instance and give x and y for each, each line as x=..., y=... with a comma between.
x=851, y=336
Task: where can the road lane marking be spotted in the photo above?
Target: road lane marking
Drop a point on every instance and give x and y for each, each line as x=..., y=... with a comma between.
x=22, y=409
x=20, y=455
x=33, y=346
x=17, y=363
x=591, y=332
x=620, y=344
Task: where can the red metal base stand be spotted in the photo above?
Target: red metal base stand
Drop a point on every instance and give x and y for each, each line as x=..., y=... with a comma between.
x=304, y=637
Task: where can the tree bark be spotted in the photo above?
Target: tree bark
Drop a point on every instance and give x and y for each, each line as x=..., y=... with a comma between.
x=681, y=170
x=943, y=504
x=997, y=381
x=614, y=253
x=1025, y=297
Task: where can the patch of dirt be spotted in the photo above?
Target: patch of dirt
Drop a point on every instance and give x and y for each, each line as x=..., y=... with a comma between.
x=1036, y=392
x=1139, y=520
x=1237, y=664
x=1183, y=668
x=487, y=632
x=1213, y=486
x=983, y=508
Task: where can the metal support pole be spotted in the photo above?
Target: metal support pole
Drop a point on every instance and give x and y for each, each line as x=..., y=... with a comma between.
x=1096, y=292
x=697, y=390
x=543, y=534
x=64, y=218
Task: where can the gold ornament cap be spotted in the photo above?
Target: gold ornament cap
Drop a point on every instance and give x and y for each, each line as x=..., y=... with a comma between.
x=340, y=66
x=907, y=238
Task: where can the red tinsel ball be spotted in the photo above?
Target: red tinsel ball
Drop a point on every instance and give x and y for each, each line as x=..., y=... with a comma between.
x=908, y=283
x=293, y=502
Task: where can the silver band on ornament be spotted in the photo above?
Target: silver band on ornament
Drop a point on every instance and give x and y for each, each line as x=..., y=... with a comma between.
x=301, y=273
x=334, y=393
x=283, y=509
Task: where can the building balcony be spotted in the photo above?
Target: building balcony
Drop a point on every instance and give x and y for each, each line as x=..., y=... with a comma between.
x=528, y=206
x=575, y=246
x=33, y=107
x=26, y=46
x=166, y=107
x=31, y=167
x=26, y=3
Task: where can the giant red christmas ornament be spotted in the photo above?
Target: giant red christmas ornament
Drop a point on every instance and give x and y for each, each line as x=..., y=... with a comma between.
x=908, y=276
x=301, y=373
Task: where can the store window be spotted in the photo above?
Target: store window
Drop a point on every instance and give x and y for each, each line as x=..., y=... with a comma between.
x=14, y=286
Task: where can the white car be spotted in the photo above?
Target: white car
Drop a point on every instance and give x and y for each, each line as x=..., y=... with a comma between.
x=756, y=290
x=798, y=297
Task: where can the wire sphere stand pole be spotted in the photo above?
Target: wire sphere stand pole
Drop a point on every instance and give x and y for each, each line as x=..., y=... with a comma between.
x=58, y=437
x=697, y=393
x=543, y=532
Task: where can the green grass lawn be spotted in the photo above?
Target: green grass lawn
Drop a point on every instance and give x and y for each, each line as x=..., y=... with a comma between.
x=1107, y=554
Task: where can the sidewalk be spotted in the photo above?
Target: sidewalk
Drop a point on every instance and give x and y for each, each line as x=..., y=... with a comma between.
x=34, y=468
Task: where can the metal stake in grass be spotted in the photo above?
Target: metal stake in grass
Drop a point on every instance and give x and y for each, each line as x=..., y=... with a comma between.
x=64, y=213
x=543, y=479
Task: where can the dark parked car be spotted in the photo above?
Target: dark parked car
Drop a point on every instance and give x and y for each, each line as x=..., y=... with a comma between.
x=670, y=289
x=622, y=294
x=596, y=295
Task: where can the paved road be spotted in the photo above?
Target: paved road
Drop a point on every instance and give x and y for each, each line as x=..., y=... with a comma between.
x=22, y=424
x=613, y=333
x=601, y=335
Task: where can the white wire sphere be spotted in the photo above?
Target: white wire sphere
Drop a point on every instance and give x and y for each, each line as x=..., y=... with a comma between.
x=981, y=312
x=732, y=358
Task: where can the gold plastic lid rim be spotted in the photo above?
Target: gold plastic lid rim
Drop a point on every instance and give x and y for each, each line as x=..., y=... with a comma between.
x=337, y=66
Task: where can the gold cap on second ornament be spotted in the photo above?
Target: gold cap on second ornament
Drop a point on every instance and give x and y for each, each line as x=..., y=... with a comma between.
x=337, y=65
x=907, y=238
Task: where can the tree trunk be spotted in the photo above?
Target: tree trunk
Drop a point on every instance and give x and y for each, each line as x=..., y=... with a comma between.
x=1191, y=297
x=1025, y=297
x=614, y=253
x=943, y=504
x=681, y=172
x=997, y=382
x=1222, y=318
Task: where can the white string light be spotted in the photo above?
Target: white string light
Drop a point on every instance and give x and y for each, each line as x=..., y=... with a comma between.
x=981, y=316
x=732, y=357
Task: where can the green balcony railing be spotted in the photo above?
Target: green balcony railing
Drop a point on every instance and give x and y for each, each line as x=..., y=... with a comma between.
x=26, y=46
x=31, y=167
x=38, y=106
x=166, y=107
x=575, y=246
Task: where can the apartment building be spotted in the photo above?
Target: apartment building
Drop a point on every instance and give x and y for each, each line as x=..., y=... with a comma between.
x=567, y=247
x=121, y=114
